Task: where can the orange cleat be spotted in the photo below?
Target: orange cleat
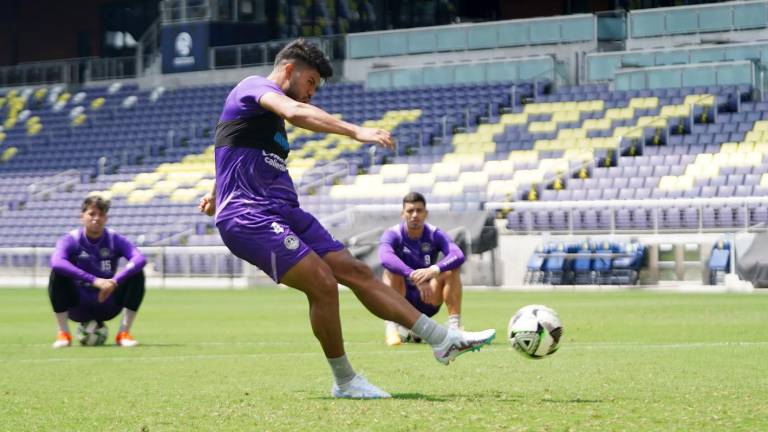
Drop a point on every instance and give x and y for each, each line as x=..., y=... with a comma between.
x=124, y=339
x=63, y=339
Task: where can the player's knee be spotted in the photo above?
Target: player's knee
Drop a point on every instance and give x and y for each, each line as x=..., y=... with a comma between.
x=325, y=284
x=451, y=275
x=360, y=271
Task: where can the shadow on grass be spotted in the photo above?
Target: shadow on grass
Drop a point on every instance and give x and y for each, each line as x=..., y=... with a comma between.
x=572, y=401
x=418, y=396
x=396, y=396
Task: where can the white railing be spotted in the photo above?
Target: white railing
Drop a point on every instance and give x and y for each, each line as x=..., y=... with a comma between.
x=167, y=266
x=656, y=205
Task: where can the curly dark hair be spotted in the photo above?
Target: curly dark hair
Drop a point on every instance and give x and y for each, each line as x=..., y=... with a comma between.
x=101, y=203
x=307, y=53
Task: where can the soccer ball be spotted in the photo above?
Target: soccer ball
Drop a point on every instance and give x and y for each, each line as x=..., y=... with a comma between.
x=535, y=331
x=92, y=333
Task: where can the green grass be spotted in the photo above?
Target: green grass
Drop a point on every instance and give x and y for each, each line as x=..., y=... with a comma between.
x=247, y=360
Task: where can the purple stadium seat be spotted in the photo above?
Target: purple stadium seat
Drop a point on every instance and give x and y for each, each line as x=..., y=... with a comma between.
x=642, y=193
x=620, y=182
x=563, y=195
x=671, y=218
x=626, y=194
x=725, y=191
x=708, y=217
x=623, y=219
x=636, y=182
x=579, y=195
x=610, y=194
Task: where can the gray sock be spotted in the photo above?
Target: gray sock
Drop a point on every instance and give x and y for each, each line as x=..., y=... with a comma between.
x=341, y=369
x=427, y=329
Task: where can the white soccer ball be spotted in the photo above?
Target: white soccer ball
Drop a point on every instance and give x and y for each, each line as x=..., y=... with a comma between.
x=535, y=331
x=92, y=333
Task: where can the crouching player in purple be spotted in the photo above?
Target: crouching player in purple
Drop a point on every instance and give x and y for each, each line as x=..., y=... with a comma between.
x=408, y=251
x=259, y=218
x=85, y=284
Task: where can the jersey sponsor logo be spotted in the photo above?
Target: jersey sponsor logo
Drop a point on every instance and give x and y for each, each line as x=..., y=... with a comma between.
x=276, y=228
x=274, y=161
x=282, y=140
x=291, y=242
x=84, y=255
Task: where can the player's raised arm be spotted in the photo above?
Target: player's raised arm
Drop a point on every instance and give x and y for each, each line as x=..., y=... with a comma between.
x=313, y=118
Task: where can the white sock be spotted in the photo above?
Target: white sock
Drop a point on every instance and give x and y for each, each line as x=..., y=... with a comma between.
x=454, y=321
x=429, y=330
x=127, y=322
x=62, y=320
x=390, y=326
x=341, y=369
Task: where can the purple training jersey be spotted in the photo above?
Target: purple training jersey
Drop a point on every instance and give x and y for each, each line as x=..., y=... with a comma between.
x=257, y=208
x=402, y=255
x=251, y=149
x=83, y=260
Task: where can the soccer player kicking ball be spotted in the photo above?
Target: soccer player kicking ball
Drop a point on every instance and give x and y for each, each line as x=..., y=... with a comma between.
x=259, y=218
x=408, y=251
x=84, y=283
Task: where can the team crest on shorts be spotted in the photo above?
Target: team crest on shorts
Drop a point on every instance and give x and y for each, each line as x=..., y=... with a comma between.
x=291, y=242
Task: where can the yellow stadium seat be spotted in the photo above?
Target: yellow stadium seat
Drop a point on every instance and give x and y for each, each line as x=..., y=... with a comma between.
x=511, y=119
x=420, y=180
x=394, y=171
x=394, y=191
x=147, y=179
x=164, y=187
x=97, y=103
x=205, y=185
x=122, y=188
x=185, y=195
x=141, y=196
x=528, y=176
x=703, y=99
x=497, y=187
x=554, y=165
x=764, y=180
x=473, y=178
x=465, y=160
x=565, y=116
x=446, y=169
x=8, y=153
x=499, y=167
x=542, y=126
x=369, y=180
x=761, y=125
x=447, y=189
x=185, y=178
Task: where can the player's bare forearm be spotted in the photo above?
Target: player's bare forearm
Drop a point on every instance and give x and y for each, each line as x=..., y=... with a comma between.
x=313, y=118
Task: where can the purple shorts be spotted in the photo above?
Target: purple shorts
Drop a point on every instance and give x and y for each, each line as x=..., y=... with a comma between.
x=88, y=307
x=275, y=239
x=413, y=295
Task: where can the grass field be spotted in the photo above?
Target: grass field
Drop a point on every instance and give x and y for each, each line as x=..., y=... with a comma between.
x=247, y=361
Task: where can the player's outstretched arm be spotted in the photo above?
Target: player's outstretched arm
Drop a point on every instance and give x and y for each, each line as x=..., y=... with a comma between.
x=313, y=118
